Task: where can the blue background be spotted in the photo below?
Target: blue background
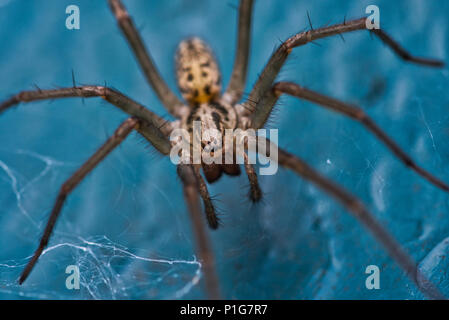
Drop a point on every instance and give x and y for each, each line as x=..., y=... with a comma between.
x=127, y=227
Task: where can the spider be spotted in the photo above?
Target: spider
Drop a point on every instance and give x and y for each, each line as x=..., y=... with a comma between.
x=199, y=81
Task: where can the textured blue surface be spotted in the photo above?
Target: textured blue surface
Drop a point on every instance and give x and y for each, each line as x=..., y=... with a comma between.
x=126, y=226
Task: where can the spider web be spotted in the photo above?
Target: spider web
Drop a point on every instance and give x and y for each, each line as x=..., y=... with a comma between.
x=99, y=261
x=108, y=270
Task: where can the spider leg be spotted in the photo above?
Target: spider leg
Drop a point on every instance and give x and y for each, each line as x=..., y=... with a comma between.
x=211, y=215
x=359, y=211
x=155, y=133
x=171, y=102
x=279, y=57
x=255, y=193
x=190, y=185
x=119, y=135
x=264, y=108
x=236, y=85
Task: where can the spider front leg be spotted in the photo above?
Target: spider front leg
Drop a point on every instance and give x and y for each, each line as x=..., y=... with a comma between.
x=358, y=210
x=209, y=208
x=119, y=135
x=255, y=193
x=156, y=133
x=191, y=190
x=265, y=106
x=236, y=85
x=171, y=102
x=277, y=60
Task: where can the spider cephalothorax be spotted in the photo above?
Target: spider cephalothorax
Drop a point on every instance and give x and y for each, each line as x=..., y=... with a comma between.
x=200, y=85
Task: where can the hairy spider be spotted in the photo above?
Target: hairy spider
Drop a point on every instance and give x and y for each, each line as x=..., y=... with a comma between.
x=199, y=81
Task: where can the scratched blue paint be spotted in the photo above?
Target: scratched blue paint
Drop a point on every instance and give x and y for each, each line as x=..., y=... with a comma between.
x=126, y=226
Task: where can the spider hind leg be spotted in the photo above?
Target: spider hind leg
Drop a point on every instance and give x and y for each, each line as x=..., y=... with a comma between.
x=255, y=193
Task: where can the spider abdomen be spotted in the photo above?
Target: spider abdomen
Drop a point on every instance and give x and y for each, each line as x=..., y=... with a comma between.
x=197, y=72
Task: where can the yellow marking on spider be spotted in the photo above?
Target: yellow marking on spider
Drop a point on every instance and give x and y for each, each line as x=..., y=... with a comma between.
x=198, y=76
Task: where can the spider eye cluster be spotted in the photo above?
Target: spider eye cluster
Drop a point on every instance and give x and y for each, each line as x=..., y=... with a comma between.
x=197, y=72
